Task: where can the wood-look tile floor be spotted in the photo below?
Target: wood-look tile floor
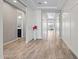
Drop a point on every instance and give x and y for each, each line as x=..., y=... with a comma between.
x=37, y=49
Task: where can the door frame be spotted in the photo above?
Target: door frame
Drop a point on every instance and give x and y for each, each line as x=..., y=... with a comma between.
x=22, y=21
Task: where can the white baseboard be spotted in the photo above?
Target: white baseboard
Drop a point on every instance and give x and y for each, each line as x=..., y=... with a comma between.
x=10, y=42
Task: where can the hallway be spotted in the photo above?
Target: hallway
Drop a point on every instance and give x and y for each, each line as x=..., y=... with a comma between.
x=38, y=29
x=38, y=49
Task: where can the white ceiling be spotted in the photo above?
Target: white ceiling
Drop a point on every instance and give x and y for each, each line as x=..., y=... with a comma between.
x=52, y=4
x=16, y=4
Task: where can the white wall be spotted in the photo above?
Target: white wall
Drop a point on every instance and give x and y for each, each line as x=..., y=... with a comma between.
x=9, y=23
x=57, y=25
x=44, y=25
x=70, y=24
x=38, y=23
x=29, y=18
x=24, y=25
x=33, y=17
x=1, y=36
x=1, y=31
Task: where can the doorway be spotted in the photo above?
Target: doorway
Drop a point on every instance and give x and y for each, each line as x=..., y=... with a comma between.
x=50, y=24
x=20, y=19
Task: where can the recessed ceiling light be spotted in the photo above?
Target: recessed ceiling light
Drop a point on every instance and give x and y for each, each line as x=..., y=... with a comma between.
x=19, y=17
x=14, y=1
x=45, y=2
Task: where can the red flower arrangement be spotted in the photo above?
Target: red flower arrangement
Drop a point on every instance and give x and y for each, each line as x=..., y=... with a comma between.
x=34, y=27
